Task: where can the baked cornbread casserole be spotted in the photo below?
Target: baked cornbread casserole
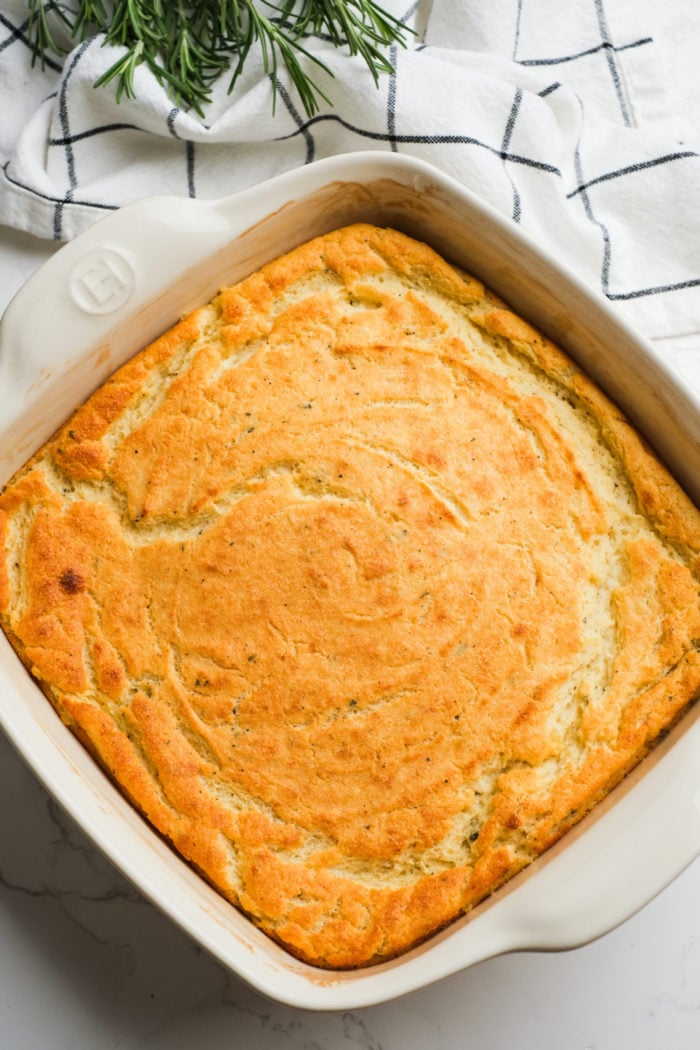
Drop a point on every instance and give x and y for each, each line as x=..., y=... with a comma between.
x=358, y=588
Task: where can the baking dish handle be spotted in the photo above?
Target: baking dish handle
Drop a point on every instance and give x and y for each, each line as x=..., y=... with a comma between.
x=591, y=886
x=88, y=287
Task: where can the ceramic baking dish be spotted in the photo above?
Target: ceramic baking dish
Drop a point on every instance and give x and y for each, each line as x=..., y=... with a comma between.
x=116, y=287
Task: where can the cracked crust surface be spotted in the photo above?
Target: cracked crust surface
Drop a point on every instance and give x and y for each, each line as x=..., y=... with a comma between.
x=360, y=590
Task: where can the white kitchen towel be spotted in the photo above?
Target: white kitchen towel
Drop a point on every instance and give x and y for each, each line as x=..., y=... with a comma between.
x=555, y=111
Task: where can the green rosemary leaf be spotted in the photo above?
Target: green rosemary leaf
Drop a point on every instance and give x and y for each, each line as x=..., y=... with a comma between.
x=91, y=16
x=39, y=30
x=124, y=69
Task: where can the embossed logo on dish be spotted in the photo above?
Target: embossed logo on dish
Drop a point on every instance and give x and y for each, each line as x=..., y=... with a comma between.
x=101, y=282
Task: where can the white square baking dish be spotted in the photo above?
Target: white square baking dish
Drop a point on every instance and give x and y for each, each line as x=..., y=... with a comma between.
x=105, y=296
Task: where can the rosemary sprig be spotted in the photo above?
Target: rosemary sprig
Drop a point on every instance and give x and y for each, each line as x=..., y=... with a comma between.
x=188, y=44
x=39, y=31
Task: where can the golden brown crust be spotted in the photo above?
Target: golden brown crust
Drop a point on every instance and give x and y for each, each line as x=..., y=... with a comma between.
x=360, y=590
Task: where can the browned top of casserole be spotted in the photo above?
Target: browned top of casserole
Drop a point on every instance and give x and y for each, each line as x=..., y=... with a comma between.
x=361, y=591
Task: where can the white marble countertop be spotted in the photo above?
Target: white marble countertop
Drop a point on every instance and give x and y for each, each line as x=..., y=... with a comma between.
x=86, y=963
